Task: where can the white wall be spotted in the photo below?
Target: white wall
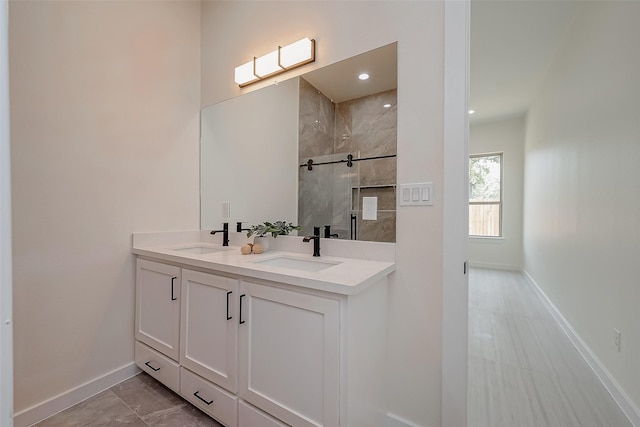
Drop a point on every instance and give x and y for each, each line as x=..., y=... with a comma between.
x=506, y=136
x=105, y=100
x=582, y=194
x=455, y=283
x=6, y=324
x=344, y=29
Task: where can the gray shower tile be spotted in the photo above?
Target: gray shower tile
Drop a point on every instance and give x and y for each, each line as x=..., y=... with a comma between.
x=361, y=127
x=378, y=172
x=386, y=196
x=381, y=230
x=364, y=127
x=316, y=123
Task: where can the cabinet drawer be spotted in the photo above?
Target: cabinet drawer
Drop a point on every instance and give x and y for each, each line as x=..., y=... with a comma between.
x=248, y=416
x=209, y=398
x=158, y=366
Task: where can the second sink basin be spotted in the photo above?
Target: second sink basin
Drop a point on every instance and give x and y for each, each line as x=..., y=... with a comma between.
x=201, y=249
x=297, y=263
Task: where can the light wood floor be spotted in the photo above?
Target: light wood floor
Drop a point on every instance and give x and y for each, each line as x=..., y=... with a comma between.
x=523, y=370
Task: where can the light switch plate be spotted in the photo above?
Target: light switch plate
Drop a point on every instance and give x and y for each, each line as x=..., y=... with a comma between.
x=416, y=194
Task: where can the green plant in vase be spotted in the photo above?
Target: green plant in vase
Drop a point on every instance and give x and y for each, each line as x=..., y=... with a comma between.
x=275, y=229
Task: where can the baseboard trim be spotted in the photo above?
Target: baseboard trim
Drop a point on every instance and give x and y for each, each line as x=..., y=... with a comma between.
x=495, y=266
x=395, y=421
x=619, y=396
x=69, y=398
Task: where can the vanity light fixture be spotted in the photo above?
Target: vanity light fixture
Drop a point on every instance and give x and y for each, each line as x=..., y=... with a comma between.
x=283, y=59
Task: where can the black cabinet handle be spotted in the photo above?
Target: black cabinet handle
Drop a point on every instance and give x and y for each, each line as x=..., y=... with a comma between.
x=149, y=365
x=208, y=402
x=228, y=317
x=241, y=296
x=173, y=298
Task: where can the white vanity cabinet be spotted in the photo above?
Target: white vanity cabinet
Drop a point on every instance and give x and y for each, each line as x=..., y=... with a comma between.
x=252, y=351
x=290, y=354
x=157, y=321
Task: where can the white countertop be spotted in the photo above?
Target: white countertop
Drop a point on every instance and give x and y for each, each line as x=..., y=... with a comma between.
x=348, y=276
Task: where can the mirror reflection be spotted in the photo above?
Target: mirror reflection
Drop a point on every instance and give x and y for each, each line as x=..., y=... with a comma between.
x=316, y=150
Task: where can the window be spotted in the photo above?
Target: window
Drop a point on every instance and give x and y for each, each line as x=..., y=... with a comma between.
x=485, y=195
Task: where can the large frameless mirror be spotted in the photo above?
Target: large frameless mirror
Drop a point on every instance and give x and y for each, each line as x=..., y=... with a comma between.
x=315, y=150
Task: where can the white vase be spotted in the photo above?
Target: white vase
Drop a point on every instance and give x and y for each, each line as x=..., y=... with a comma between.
x=263, y=241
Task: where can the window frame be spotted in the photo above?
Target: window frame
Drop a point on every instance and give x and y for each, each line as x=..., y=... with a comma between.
x=499, y=203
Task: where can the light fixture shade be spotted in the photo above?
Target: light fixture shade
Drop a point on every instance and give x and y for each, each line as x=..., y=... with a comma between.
x=298, y=53
x=284, y=58
x=267, y=64
x=244, y=73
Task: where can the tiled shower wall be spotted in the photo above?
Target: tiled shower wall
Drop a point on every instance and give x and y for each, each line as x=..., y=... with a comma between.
x=361, y=127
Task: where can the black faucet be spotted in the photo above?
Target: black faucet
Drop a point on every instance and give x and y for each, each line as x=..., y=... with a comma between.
x=225, y=235
x=239, y=228
x=316, y=240
x=327, y=232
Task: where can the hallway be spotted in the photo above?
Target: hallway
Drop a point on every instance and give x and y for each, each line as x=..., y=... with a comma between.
x=523, y=369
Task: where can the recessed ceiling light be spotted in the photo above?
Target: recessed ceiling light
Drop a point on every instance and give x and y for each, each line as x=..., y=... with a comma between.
x=472, y=111
x=387, y=105
x=363, y=76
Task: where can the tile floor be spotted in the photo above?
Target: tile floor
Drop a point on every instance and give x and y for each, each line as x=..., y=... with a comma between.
x=523, y=370
x=140, y=401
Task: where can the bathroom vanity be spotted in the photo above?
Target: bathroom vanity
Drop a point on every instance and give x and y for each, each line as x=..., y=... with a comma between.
x=276, y=339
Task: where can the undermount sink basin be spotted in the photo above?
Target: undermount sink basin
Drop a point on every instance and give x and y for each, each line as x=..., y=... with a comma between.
x=297, y=263
x=201, y=249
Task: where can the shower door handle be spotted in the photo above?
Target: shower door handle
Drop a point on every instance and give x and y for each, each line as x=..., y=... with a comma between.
x=354, y=225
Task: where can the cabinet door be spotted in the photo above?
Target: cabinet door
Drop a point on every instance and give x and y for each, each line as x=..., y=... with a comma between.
x=209, y=327
x=290, y=354
x=157, y=320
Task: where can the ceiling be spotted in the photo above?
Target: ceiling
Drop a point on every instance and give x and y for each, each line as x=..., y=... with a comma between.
x=339, y=81
x=513, y=43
